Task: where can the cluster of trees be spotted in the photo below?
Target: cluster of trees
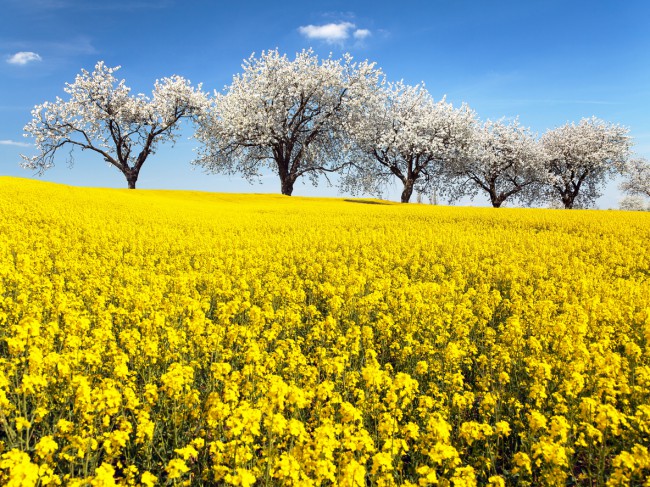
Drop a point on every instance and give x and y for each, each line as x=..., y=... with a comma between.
x=310, y=117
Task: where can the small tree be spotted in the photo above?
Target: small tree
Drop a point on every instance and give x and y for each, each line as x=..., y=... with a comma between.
x=633, y=203
x=581, y=158
x=101, y=115
x=505, y=162
x=402, y=132
x=290, y=116
x=637, y=178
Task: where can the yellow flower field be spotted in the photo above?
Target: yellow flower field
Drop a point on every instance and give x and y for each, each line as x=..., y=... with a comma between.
x=185, y=338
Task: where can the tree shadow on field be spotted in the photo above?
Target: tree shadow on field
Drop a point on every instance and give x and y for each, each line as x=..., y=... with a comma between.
x=367, y=202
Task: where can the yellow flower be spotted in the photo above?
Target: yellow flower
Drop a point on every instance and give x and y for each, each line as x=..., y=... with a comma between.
x=16, y=469
x=65, y=426
x=22, y=423
x=496, y=481
x=353, y=474
x=472, y=431
x=198, y=443
x=381, y=462
x=104, y=476
x=187, y=453
x=428, y=476
x=349, y=413
x=176, y=468
x=464, y=477
x=536, y=420
x=502, y=428
x=46, y=446
x=421, y=367
x=522, y=463
x=148, y=479
x=287, y=467
x=242, y=478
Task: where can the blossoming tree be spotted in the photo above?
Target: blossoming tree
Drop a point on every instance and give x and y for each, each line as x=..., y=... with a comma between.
x=101, y=115
x=403, y=133
x=637, y=177
x=287, y=115
x=581, y=158
x=505, y=162
x=633, y=203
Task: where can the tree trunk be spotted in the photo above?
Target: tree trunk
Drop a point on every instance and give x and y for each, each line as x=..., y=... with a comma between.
x=496, y=200
x=408, y=190
x=286, y=185
x=131, y=178
x=568, y=198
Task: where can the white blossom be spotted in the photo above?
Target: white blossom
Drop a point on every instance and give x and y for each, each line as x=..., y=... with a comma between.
x=288, y=115
x=103, y=116
x=401, y=132
x=637, y=177
x=504, y=161
x=634, y=203
x=581, y=158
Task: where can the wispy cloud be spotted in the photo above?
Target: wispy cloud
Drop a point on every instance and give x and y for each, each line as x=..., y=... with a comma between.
x=23, y=57
x=14, y=143
x=330, y=33
x=334, y=33
x=361, y=34
x=48, y=52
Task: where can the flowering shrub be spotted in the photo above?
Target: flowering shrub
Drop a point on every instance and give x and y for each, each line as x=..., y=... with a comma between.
x=179, y=338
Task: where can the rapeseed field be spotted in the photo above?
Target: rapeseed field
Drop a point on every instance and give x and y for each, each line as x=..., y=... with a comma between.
x=184, y=338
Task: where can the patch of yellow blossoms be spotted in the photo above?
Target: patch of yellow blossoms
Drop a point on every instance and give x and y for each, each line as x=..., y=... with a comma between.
x=178, y=338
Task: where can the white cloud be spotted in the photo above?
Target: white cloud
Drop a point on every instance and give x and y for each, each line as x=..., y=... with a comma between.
x=361, y=34
x=24, y=57
x=330, y=33
x=13, y=142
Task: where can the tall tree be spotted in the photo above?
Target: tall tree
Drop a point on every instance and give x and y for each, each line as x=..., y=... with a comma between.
x=287, y=115
x=102, y=116
x=505, y=162
x=403, y=133
x=581, y=158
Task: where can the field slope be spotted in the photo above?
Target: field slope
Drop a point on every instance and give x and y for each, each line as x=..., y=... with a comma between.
x=186, y=338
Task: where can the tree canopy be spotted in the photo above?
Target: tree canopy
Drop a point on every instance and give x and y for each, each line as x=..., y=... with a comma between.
x=637, y=177
x=287, y=115
x=403, y=133
x=101, y=115
x=581, y=158
x=312, y=117
x=504, y=162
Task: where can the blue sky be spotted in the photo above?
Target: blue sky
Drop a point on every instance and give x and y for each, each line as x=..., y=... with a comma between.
x=547, y=62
